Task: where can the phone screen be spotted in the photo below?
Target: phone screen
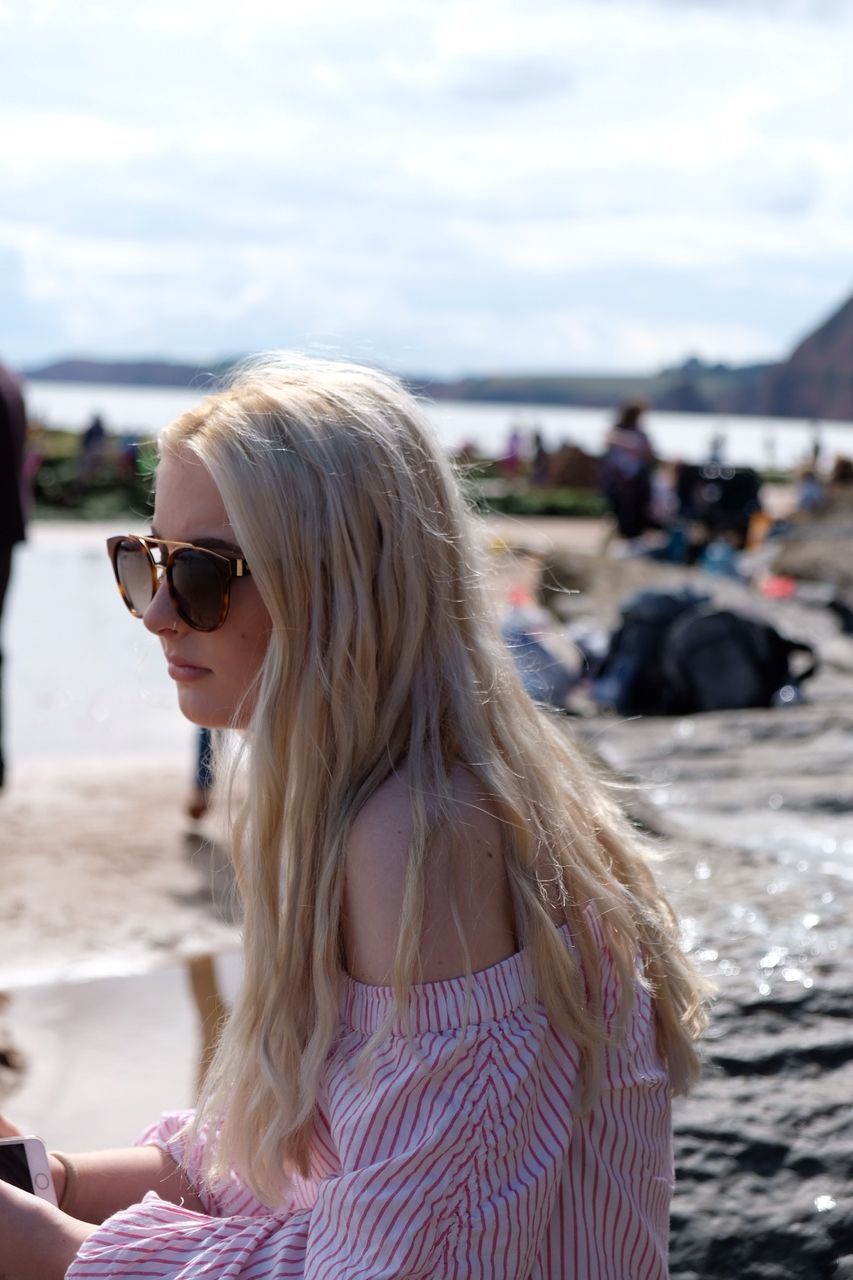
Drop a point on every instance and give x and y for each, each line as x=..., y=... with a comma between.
x=14, y=1167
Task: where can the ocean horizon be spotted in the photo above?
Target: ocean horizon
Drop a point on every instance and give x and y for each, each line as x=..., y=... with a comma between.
x=764, y=443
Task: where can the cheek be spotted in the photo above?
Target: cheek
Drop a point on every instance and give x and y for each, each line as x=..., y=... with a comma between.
x=253, y=648
x=242, y=693
x=247, y=649
x=236, y=653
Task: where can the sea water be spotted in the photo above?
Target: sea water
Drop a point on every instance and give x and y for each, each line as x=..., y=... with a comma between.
x=747, y=441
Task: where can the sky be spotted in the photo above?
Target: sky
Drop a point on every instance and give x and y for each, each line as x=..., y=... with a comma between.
x=437, y=186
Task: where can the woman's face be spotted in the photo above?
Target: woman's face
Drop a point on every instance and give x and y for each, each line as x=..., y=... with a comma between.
x=212, y=670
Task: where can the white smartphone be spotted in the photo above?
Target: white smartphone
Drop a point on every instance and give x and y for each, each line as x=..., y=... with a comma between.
x=24, y=1163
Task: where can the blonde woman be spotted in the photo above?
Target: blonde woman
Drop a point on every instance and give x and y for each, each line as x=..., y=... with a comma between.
x=465, y=1008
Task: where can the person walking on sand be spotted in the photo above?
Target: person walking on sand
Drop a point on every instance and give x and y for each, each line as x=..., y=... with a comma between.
x=465, y=1006
x=626, y=471
x=13, y=434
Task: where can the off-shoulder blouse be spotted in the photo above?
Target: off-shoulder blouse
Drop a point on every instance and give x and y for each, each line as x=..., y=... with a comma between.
x=484, y=1170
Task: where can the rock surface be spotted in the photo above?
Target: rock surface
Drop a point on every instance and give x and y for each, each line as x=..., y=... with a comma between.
x=815, y=381
x=756, y=808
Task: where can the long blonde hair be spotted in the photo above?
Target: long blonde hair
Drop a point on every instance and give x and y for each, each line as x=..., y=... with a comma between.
x=384, y=650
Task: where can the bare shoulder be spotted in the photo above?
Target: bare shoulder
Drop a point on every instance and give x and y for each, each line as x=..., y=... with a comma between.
x=376, y=859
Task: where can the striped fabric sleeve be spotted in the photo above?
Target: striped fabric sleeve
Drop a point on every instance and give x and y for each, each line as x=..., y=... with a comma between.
x=449, y=1171
x=224, y=1200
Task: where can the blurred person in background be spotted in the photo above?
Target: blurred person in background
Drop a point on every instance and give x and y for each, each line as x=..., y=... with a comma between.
x=626, y=472
x=202, y=788
x=13, y=434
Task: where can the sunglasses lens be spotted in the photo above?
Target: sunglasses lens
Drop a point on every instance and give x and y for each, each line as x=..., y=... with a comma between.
x=133, y=570
x=199, y=583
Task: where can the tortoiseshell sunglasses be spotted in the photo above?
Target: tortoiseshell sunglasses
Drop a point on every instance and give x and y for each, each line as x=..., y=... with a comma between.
x=199, y=580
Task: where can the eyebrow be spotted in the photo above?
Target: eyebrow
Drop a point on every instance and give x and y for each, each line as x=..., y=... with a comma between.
x=211, y=544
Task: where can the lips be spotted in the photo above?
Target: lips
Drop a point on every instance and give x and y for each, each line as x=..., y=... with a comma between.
x=183, y=670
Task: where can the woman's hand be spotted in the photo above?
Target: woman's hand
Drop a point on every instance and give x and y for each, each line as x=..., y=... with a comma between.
x=57, y=1169
x=39, y=1242
x=108, y=1181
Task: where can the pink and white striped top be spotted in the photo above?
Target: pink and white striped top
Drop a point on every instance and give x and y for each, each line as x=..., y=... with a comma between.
x=484, y=1172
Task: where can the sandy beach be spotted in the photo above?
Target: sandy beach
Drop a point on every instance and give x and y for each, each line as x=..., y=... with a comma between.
x=111, y=893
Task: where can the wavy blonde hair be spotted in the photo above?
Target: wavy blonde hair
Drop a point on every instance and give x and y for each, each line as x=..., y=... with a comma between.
x=384, y=650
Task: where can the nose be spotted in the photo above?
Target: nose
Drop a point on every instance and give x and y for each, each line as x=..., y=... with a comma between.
x=160, y=615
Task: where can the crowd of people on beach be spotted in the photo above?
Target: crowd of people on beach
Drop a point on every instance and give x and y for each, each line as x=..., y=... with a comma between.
x=703, y=513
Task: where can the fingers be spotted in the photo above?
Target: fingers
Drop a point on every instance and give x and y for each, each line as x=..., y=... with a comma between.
x=7, y=1129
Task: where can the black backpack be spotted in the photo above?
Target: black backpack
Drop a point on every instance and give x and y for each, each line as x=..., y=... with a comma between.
x=675, y=654
x=717, y=660
x=629, y=678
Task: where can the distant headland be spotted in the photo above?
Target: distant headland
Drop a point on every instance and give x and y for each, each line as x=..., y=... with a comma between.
x=815, y=381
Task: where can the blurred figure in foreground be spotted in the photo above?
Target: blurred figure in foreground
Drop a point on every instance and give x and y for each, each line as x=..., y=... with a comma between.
x=13, y=432
x=626, y=471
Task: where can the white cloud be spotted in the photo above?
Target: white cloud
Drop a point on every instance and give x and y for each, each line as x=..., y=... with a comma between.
x=56, y=142
x=207, y=175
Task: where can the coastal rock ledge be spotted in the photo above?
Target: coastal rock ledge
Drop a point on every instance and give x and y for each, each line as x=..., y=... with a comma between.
x=762, y=1148
x=753, y=811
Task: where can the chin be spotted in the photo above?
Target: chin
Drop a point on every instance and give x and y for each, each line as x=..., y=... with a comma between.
x=200, y=706
x=204, y=711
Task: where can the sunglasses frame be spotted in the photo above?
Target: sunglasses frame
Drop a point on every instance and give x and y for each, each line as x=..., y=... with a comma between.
x=236, y=565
